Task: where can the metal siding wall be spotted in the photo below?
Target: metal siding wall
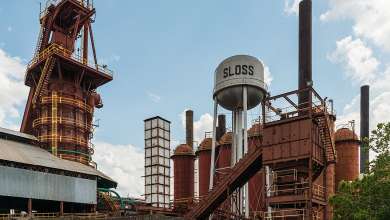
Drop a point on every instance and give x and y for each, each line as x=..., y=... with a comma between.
x=46, y=186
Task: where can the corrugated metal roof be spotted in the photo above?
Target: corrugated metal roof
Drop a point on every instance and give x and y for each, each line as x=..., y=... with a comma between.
x=17, y=136
x=19, y=152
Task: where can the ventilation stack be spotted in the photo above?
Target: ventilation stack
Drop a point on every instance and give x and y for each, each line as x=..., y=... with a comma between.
x=305, y=52
x=364, y=126
x=221, y=129
x=190, y=128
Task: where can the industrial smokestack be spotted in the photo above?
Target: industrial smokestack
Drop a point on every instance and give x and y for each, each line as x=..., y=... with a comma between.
x=364, y=126
x=190, y=128
x=221, y=129
x=305, y=51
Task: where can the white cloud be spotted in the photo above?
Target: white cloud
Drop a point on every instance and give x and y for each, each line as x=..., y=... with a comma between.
x=155, y=98
x=371, y=18
x=371, y=23
x=123, y=163
x=13, y=92
x=363, y=68
x=357, y=58
x=204, y=124
x=267, y=75
x=291, y=7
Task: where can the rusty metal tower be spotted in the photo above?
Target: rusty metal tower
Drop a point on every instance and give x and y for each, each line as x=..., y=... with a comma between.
x=62, y=81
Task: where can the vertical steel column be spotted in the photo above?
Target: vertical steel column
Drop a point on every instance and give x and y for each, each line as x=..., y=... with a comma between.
x=29, y=207
x=234, y=140
x=212, y=165
x=245, y=119
x=239, y=156
x=61, y=208
x=233, y=204
x=268, y=190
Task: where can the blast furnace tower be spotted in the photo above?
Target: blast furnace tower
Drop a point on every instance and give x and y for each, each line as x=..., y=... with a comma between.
x=62, y=81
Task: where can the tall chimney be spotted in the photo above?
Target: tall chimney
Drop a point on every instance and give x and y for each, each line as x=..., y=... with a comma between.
x=190, y=128
x=221, y=129
x=364, y=125
x=305, y=51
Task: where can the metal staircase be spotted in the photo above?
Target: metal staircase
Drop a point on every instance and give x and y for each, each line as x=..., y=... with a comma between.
x=245, y=169
x=326, y=137
x=44, y=78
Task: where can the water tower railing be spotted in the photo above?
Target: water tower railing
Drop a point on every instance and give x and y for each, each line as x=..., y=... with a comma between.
x=286, y=106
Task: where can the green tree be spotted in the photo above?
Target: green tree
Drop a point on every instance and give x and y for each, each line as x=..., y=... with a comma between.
x=368, y=198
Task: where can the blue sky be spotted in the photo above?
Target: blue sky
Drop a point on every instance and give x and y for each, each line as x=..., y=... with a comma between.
x=164, y=54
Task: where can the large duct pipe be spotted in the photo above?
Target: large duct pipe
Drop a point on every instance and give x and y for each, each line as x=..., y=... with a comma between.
x=305, y=51
x=190, y=128
x=364, y=126
x=221, y=129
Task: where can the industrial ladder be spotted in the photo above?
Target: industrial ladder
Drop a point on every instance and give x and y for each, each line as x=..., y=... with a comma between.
x=326, y=137
x=44, y=78
x=245, y=169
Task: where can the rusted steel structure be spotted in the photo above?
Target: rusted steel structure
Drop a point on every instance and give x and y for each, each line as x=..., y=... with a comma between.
x=204, y=157
x=347, y=146
x=183, y=167
x=256, y=183
x=223, y=160
x=240, y=174
x=297, y=150
x=63, y=82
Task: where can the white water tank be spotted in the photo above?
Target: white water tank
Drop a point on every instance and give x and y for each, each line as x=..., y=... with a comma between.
x=232, y=75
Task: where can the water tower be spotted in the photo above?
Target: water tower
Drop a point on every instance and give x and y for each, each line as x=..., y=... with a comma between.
x=239, y=87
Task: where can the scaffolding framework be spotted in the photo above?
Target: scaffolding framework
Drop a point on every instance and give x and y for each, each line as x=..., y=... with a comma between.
x=157, y=162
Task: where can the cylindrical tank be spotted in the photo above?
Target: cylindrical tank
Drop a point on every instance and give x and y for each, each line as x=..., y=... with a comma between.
x=257, y=182
x=347, y=147
x=63, y=120
x=183, y=166
x=204, y=159
x=230, y=77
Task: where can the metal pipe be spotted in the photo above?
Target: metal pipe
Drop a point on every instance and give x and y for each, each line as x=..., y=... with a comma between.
x=364, y=126
x=305, y=51
x=190, y=128
x=245, y=121
x=212, y=162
